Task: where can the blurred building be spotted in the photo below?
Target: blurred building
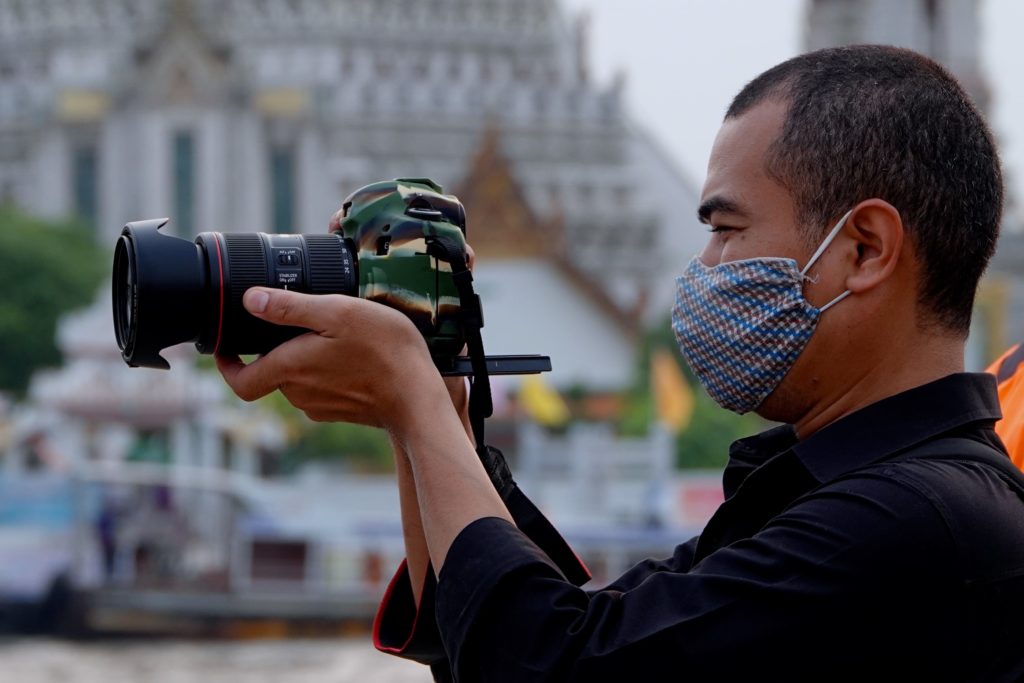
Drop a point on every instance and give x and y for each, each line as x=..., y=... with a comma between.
x=264, y=114
x=948, y=31
x=148, y=494
x=94, y=411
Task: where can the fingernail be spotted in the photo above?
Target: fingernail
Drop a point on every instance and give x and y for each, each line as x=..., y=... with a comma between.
x=256, y=301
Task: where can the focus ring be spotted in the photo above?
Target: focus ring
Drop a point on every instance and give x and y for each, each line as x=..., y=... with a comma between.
x=246, y=267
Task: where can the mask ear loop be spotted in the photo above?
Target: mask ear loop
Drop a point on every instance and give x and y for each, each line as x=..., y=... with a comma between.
x=832, y=303
x=821, y=250
x=828, y=241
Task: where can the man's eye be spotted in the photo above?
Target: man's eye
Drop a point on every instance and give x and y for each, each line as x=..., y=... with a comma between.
x=720, y=228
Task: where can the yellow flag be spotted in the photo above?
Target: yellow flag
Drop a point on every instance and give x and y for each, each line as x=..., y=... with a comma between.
x=542, y=403
x=673, y=399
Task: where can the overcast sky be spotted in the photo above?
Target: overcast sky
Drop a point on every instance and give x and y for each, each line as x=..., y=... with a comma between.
x=685, y=59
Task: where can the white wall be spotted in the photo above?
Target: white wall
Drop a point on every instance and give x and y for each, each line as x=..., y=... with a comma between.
x=529, y=307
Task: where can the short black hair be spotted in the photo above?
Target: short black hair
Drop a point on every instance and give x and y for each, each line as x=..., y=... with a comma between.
x=870, y=121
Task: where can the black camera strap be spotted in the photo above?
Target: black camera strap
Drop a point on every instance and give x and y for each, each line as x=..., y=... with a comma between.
x=528, y=518
x=481, y=405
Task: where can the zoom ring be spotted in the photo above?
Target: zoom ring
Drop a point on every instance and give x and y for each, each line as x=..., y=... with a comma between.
x=331, y=268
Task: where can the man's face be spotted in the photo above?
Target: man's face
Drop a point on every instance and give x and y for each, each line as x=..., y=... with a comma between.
x=751, y=215
x=747, y=212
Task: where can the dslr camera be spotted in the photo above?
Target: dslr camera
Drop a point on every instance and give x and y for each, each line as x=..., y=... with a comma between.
x=400, y=243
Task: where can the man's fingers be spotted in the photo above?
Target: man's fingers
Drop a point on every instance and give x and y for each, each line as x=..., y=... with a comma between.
x=287, y=308
x=334, y=224
x=249, y=382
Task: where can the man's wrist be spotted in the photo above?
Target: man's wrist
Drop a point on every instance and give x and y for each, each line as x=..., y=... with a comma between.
x=423, y=406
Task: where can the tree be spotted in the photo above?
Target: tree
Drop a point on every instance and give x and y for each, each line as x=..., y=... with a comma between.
x=704, y=444
x=360, y=448
x=49, y=268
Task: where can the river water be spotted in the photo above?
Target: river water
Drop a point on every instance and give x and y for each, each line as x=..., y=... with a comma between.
x=286, y=661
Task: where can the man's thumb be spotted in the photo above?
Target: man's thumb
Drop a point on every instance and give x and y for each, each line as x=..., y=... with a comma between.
x=255, y=300
x=282, y=307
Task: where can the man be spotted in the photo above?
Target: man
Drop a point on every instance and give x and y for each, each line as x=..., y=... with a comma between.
x=1009, y=373
x=853, y=198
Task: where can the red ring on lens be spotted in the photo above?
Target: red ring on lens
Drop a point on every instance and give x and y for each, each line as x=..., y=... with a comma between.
x=220, y=314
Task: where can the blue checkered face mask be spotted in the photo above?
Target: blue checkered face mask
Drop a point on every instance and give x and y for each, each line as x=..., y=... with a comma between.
x=742, y=324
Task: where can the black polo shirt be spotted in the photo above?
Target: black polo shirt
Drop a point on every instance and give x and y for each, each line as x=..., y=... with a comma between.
x=889, y=545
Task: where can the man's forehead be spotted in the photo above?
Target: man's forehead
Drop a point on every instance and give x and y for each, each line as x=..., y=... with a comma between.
x=737, y=162
x=758, y=126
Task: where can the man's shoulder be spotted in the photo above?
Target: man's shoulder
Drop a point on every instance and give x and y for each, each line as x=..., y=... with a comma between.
x=953, y=467
x=967, y=497
x=946, y=470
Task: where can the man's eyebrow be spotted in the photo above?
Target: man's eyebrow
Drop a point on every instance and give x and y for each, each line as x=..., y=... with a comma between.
x=715, y=204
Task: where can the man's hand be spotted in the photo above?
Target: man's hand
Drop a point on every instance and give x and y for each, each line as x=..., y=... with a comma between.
x=366, y=363
x=363, y=362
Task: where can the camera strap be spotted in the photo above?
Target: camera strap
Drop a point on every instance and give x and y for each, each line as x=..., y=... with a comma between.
x=481, y=405
x=528, y=518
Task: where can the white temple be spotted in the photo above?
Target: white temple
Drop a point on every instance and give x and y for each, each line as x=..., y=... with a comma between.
x=263, y=114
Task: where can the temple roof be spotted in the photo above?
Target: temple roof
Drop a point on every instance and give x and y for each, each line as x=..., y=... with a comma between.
x=501, y=226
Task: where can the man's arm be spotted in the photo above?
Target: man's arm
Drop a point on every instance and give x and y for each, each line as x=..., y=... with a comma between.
x=367, y=364
x=417, y=557
x=451, y=485
x=416, y=554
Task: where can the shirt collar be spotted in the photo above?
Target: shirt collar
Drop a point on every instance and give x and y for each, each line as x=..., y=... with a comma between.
x=746, y=455
x=898, y=422
x=874, y=432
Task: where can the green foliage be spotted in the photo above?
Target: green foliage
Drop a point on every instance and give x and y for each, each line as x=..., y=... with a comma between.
x=705, y=443
x=637, y=413
x=363, y=449
x=49, y=268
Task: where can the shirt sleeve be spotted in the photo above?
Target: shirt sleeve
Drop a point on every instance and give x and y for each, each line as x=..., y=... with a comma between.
x=803, y=593
x=680, y=561
x=402, y=629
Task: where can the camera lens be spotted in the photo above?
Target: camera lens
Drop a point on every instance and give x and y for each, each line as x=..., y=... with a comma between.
x=124, y=293
x=129, y=303
x=168, y=290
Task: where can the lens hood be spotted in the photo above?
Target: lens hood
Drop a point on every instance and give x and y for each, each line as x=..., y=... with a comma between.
x=158, y=292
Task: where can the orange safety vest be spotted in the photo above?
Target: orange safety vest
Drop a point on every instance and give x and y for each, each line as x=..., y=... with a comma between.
x=1009, y=372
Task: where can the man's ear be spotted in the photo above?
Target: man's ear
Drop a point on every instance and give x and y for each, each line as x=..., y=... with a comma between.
x=876, y=227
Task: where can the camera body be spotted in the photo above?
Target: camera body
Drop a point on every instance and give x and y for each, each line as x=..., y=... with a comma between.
x=168, y=291
x=390, y=227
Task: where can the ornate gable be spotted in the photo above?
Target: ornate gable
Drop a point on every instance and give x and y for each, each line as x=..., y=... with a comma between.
x=500, y=222
x=501, y=225
x=183, y=66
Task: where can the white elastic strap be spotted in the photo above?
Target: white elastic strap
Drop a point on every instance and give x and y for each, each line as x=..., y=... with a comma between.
x=832, y=303
x=826, y=243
